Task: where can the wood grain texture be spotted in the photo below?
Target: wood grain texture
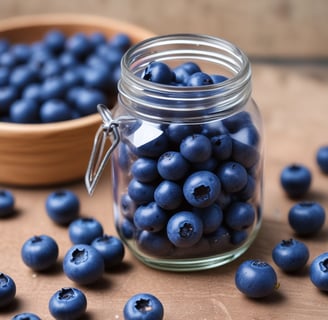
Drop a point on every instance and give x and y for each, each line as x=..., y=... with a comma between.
x=279, y=28
x=293, y=104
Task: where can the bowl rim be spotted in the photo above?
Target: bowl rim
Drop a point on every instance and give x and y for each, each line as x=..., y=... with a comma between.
x=63, y=19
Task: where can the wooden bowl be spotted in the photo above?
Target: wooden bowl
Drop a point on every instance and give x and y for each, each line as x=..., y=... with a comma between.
x=56, y=153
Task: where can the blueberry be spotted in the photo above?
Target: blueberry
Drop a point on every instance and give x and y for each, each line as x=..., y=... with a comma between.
x=145, y=169
x=22, y=76
x=7, y=96
x=249, y=190
x=211, y=217
x=39, y=252
x=84, y=230
x=121, y=41
x=53, y=88
x=99, y=78
x=319, y=271
x=233, y=176
x=184, y=71
x=88, y=99
x=7, y=290
x=177, y=132
x=154, y=243
x=168, y=195
x=306, y=218
x=68, y=303
x=140, y=192
x=143, y=306
x=240, y=215
x=8, y=60
x=322, y=159
x=33, y=92
x=24, y=111
x=219, y=239
x=83, y=264
x=150, y=217
x=184, y=229
x=222, y=146
x=26, y=316
x=4, y=76
x=256, y=279
x=196, y=148
x=55, y=40
x=71, y=78
x=4, y=45
x=237, y=121
x=201, y=188
x=238, y=237
x=290, y=255
x=97, y=38
x=296, y=180
x=199, y=79
x=79, y=44
x=7, y=203
x=51, y=68
x=158, y=72
x=55, y=110
x=172, y=165
x=218, y=78
x=63, y=206
x=245, y=154
x=67, y=60
x=111, y=249
x=128, y=206
x=127, y=228
x=21, y=52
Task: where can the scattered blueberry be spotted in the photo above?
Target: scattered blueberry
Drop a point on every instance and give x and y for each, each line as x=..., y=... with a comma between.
x=290, y=255
x=83, y=264
x=40, y=252
x=26, y=316
x=111, y=248
x=256, y=279
x=63, y=206
x=68, y=303
x=7, y=290
x=7, y=203
x=296, y=180
x=322, y=159
x=143, y=306
x=306, y=218
x=319, y=271
x=84, y=230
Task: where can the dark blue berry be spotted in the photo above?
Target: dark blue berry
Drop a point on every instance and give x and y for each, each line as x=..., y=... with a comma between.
x=24, y=111
x=79, y=44
x=158, y=72
x=8, y=95
x=306, y=218
x=222, y=146
x=145, y=169
x=199, y=79
x=88, y=99
x=322, y=159
x=121, y=41
x=32, y=91
x=184, y=229
x=83, y=264
x=211, y=217
x=22, y=76
x=143, y=306
x=319, y=271
x=26, y=316
x=128, y=206
x=290, y=255
x=63, y=206
x=7, y=203
x=172, y=165
x=233, y=176
x=168, y=195
x=55, y=40
x=196, y=148
x=53, y=88
x=141, y=193
x=40, y=252
x=150, y=217
x=256, y=279
x=217, y=78
x=55, y=110
x=240, y=215
x=84, y=230
x=7, y=290
x=68, y=303
x=111, y=249
x=296, y=180
x=201, y=188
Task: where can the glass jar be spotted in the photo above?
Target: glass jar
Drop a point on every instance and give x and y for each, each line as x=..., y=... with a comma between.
x=186, y=161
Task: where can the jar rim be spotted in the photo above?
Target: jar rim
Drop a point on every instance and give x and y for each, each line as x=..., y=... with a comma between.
x=227, y=95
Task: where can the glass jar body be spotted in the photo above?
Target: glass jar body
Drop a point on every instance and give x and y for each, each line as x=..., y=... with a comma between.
x=187, y=173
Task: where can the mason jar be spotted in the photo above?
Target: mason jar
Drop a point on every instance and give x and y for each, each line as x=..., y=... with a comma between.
x=187, y=161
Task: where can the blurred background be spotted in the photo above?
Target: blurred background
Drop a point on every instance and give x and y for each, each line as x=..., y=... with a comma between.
x=275, y=30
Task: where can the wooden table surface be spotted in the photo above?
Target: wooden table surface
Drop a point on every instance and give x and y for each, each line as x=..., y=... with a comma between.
x=294, y=107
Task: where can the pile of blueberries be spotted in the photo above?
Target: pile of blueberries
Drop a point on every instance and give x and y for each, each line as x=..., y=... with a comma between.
x=59, y=77
x=192, y=189
x=92, y=253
